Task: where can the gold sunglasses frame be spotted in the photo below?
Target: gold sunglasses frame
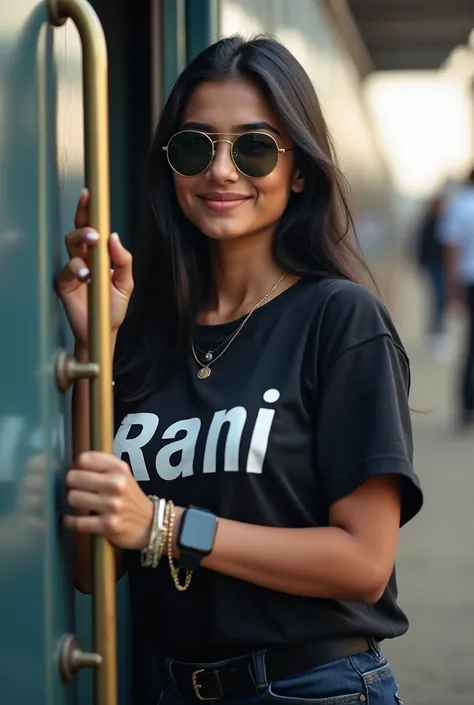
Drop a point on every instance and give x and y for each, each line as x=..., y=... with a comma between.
x=236, y=135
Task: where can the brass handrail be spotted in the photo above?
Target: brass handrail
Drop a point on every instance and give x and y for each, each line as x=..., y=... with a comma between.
x=96, y=147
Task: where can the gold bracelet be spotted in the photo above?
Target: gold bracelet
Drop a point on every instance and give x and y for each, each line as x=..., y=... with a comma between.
x=173, y=570
x=166, y=528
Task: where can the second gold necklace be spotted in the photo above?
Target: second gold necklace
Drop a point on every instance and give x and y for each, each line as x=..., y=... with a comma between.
x=205, y=368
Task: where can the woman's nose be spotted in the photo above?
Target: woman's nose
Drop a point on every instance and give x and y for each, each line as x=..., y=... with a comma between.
x=222, y=167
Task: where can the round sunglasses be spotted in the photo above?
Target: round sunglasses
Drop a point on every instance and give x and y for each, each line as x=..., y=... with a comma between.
x=254, y=154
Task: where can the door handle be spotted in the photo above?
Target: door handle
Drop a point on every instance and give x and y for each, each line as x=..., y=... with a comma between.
x=72, y=657
x=67, y=370
x=96, y=147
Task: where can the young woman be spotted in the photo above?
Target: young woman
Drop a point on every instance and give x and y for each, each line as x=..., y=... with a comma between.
x=260, y=389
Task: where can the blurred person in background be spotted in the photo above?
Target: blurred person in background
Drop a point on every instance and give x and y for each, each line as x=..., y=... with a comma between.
x=431, y=258
x=456, y=232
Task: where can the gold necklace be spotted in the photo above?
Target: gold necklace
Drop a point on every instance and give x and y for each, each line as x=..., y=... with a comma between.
x=205, y=369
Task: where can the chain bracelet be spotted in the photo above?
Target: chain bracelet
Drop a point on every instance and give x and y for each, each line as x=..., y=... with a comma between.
x=173, y=570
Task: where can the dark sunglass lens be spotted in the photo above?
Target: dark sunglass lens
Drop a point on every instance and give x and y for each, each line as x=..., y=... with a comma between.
x=190, y=153
x=255, y=154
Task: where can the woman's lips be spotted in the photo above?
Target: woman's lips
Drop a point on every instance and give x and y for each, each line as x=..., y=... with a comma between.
x=220, y=205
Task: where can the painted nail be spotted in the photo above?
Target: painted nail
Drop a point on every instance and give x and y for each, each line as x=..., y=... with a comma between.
x=115, y=236
x=92, y=237
x=83, y=273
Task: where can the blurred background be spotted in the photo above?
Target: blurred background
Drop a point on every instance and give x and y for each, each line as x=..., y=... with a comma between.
x=395, y=79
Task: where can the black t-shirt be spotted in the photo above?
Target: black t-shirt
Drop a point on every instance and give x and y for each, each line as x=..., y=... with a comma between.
x=309, y=401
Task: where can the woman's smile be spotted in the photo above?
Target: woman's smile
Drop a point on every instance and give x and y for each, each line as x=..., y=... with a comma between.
x=223, y=202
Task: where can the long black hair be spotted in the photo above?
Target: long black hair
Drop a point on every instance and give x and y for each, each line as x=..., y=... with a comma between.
x=314, y=238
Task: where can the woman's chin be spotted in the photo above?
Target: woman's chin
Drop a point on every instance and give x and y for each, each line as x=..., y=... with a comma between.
x=224, y=232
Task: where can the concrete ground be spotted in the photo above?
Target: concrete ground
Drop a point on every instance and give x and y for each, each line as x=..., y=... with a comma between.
x=433, y=662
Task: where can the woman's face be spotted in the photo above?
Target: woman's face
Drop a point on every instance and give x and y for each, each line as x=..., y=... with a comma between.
x=229, y=107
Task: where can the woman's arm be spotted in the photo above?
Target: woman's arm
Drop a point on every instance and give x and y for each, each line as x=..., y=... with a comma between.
x=350, y=560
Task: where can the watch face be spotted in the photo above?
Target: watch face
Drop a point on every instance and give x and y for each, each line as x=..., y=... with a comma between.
x=198, y=531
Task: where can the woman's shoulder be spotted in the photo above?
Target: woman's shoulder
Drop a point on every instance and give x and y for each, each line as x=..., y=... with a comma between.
x=342, y=291
x=346, y=313
x=338, y=297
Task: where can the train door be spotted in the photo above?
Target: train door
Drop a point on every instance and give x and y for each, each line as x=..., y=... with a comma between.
x=36, y=598
x=42, y=136
x=43, y=85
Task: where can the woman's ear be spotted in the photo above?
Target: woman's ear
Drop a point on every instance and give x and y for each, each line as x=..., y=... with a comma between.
x=297, y=182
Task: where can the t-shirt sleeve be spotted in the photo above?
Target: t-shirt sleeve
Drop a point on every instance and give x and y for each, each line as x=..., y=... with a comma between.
x=363, y=427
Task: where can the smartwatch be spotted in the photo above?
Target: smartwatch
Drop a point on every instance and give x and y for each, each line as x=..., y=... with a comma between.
x=196, y=536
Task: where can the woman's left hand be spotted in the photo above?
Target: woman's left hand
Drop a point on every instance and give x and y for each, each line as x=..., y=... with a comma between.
x=104, y=485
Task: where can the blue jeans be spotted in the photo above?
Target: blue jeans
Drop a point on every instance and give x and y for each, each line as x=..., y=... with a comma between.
x=364, y=678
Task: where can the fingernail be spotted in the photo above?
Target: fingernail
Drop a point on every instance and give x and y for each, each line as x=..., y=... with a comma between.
x=84, y=191
x=115, y=236
x=93, y=237
x=83, y=273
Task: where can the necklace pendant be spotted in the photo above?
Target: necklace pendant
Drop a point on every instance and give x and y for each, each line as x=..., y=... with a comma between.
x=208, y=356
x=204, y=372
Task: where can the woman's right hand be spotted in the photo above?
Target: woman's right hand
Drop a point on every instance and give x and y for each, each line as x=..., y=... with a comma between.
x=71, y=283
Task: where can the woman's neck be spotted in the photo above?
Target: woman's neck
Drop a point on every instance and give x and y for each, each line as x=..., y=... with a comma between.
x=243, y=272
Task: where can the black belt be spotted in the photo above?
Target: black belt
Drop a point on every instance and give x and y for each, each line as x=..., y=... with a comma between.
x=236, y=676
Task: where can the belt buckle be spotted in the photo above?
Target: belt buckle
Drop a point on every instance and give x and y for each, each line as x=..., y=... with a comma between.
x=197, y=686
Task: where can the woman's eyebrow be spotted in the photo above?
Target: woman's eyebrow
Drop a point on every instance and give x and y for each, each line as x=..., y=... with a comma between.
x=200, y=126
x=247, y=127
